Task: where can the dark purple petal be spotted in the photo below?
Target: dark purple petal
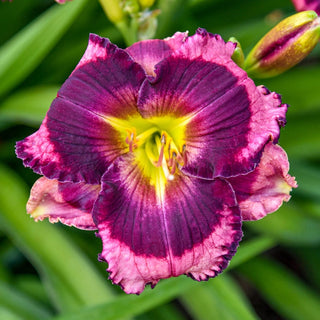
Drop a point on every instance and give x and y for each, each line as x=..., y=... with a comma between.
x=71, y=146
x=76, y=142
x=263, y=190
x=193, y=228
x=150, y=52
x=69, y=203
x=230, y=119
x=106, y=80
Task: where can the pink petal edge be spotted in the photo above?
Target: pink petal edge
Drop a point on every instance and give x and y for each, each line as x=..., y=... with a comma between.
x=264, y=190
x=69, y=203
x=146, y=239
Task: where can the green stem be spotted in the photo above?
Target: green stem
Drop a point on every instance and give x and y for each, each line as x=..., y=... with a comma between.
x=129, y=33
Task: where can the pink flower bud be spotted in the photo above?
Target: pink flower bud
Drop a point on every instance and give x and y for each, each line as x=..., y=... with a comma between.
x=284, y=46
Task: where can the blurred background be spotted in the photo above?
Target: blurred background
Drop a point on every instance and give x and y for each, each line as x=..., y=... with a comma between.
x=52, y=272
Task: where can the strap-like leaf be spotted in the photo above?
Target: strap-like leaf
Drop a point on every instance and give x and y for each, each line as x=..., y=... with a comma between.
x=20, y=55
x=284, y=291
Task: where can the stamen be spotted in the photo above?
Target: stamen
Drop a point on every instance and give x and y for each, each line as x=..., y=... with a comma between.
x=162, y=160
x=184, y=154
x=159, y=163
x=130, y=140
x=173, y=166
x=167, y=174
x=161, y=151
x=163, y=139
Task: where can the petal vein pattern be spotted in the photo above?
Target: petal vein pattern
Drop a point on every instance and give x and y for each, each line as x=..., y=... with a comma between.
x=146, y=238
x=75, y=143
x=232, y=119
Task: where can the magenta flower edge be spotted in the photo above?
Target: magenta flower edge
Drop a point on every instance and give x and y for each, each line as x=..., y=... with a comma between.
x=304, y=5
x=164, y=148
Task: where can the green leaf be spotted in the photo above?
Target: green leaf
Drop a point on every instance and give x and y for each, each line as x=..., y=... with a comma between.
x=71, y=278
x=299, y=88
x=31, y=285
x=284, y=291
x=20, y=55
x=21, y=304
x=300, y=138
x=220, y=299
x=28, y=106
x=8, y=314
x=309, y=258
x=250, y=249
x=308, y=178
x=289, y=225
x=4, y=273
x=130, y=305
x=165, y=291
x=164, y=312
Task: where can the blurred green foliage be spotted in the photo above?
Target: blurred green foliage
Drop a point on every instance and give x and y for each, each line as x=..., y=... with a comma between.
x=51, y=272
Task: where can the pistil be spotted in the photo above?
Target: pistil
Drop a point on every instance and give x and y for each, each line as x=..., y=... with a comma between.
x=162, y=162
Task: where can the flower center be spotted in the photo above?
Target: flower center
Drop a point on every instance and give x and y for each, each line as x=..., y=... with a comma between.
x=160, y=149
x=157, y=143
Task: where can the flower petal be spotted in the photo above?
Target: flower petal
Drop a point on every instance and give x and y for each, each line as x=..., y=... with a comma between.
x=150, y=52
x=193, y=228
x=69, y=203
x=303, y=5
x=106, y=80
x=230, y=119
x=76, y=142
x=263, y=190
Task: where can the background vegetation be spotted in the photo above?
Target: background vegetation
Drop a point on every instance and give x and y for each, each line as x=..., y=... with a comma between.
x=51, y=271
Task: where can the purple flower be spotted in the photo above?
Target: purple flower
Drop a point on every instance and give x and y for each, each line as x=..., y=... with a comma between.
x=165, y=148
x=303, y=5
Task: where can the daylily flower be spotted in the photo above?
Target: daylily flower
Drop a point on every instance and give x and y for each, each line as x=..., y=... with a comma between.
x=165, y=148
x=303, y=5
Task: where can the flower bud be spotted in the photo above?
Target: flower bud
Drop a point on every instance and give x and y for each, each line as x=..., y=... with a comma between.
x=113, y=10
x=284, y=46
x=148, y=24
x=131, y=6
